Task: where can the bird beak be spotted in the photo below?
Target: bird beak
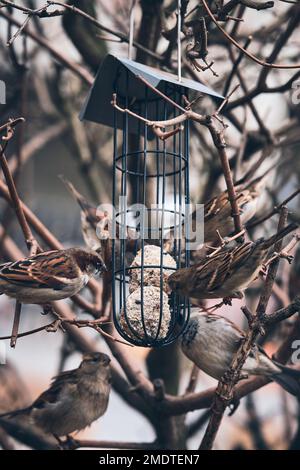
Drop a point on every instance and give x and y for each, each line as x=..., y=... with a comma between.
x=106, y=361
x=104, y=267
x=168, y=290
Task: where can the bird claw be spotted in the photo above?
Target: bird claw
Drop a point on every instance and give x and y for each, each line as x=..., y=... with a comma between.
x=212, y=308
x=47, y=309
x=281, y=254
x=285, y=255
x=69, y=443
x=227, y=301
x=54, y=326
x=243, y=376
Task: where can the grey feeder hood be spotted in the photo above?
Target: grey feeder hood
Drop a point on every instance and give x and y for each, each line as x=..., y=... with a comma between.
x=120, y=75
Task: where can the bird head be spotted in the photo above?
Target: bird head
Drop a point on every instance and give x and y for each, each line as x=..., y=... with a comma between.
x=90, y=262
x=178, y=281
x=94, y=362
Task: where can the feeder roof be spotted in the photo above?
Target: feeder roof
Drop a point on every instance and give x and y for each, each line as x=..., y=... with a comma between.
x=121, y=75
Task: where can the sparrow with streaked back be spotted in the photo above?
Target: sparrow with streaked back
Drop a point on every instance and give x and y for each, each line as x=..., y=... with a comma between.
x=218, y=211
x=96, y=226
x=227, y=273
x=211, y=341
x=75, y=399
x=50, y=275
x=215, y=218
x=90, y=217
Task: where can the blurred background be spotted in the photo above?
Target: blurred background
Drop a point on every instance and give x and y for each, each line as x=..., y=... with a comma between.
x=262, y=118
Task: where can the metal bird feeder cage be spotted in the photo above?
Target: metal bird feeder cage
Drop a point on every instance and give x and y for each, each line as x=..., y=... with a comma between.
x=153, y=174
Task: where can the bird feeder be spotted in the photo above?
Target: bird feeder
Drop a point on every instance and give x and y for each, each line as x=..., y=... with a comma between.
x=150, y=193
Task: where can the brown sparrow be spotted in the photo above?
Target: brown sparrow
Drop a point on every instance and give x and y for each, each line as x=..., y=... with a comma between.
x=89, y=217
x=227, y=273
x=215, y=219
x=218, y=212
x=96, y=226
x=210, y=341
x=74, y=400
x=48, y=276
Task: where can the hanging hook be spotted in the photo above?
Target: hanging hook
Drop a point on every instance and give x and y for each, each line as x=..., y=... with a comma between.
x=131, y=29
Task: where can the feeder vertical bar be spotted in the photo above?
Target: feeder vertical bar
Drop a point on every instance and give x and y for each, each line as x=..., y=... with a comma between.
x=187, y=304
x=115, y=154
x=180, y=153
x=174, y=298
x=180, y=302
x=138, y=169
x=157, y=148
x=162, y=224
x=179, y=39
x=187, y=183
x=122, y=208
x=145, y=210
x=175, y=183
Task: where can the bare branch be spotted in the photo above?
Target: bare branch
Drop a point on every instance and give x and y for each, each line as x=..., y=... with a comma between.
x=247, y=53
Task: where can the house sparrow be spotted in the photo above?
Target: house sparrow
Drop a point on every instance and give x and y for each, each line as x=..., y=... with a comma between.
x=210, y=341
x=215, y=218
x=48, y=276
x=89, y=217
x=74, y=400
x=227, y=273
x=218, y=211
x=96, y=226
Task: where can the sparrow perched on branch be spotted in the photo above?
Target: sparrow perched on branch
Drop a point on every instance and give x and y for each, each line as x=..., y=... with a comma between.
x=218, y=211
x=227, y=273
x=89, y=217
x=48, y=276
x=215, y=219
x=74, y=400
x=96, y=225
x=211, y=341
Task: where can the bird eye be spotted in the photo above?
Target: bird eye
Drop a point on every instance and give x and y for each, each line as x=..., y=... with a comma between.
x=94, y=360
x=100, y=266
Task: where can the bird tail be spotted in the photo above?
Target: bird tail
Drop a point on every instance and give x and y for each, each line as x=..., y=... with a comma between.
x=83, y=203
x=280, y=235
x=260, y=181
x=288, y=378
x=13, y=414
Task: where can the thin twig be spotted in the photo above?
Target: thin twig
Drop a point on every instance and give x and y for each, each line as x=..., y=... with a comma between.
x=193, y=379
x=99, y=25
x=31, y=242
x=274, y=211
x=11, y=123
x=247, y=53
x=15, y=329
x=273, y=268
x=80, y=71
x=79, y=444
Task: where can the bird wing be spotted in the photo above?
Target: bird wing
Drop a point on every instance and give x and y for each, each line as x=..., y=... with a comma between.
x=48, y=269
x=64, y=380
x=215, y=205
x=89, y=211
x=215, y=270
x=221, y=202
